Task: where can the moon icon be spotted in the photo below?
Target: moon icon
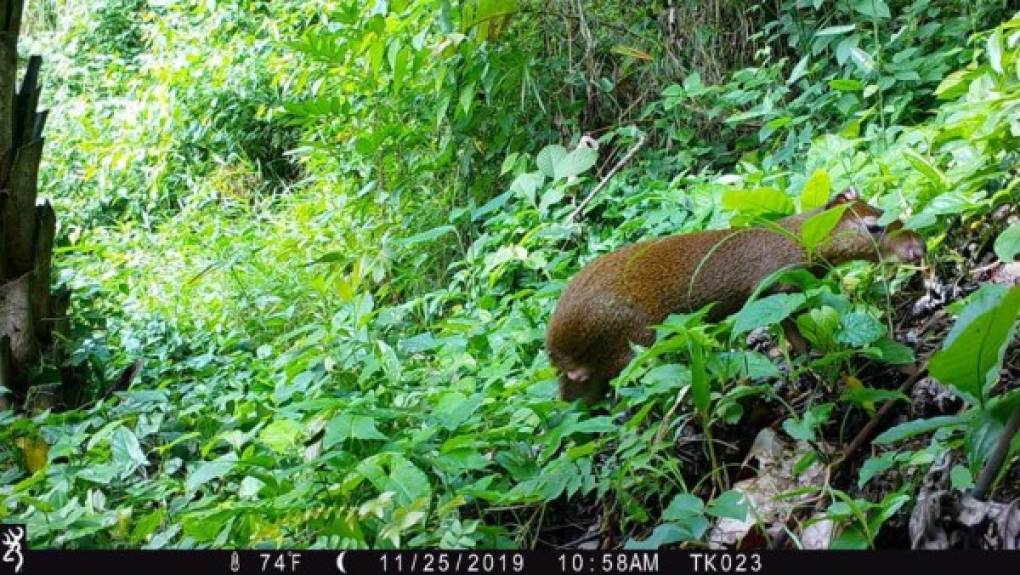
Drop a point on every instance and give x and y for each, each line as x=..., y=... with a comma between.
x=340, y=562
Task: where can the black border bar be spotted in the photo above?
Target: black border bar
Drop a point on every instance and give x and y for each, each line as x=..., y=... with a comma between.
x=499, y=562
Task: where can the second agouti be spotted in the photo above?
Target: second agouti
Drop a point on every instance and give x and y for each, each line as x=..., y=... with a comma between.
x=616, y=299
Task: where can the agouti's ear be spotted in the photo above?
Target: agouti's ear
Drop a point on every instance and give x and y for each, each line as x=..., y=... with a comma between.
x=845, y=197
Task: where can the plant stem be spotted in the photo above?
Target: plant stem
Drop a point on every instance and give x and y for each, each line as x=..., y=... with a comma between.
x=997, y=457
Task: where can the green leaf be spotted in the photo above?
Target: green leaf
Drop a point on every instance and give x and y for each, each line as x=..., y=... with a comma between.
x=845, y=85
x=350, y=426
x=816, y=190
x=549, y=157
x=994, y=47
x=889, y=351
x=427, y=236
x=836, y=30
x=934, y=175
x=872, y=8
x=874, y=466
x=767, y=311
x=407, y=481
x=816, y=229
x=127, y=453
x=917, y=427
x=575, y=163
x=281, y=435
x=972, y=354
x=798, y=71
x=860, y=329
x=730, y=504
x=207, y=471
x=1007, y=245
x=961, y=478
x=700, y=391
x=803, y=428
x=683, y=506
x=668, y=533
x=863, y=60
x=757, y=202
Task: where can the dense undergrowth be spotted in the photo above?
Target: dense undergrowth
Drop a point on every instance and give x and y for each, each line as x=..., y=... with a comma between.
x=335, y=235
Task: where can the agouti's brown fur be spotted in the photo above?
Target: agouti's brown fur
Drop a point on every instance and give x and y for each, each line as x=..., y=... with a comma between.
x=617, y=298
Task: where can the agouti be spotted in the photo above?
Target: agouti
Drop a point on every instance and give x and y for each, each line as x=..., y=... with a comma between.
x=616, y=299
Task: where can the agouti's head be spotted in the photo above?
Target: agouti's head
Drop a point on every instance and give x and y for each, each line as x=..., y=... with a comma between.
x=858, y=236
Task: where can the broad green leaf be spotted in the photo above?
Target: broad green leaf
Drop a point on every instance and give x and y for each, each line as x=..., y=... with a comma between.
x=575, y=163
x=994, y=47
x=668, y=533
x=281, y=435
x=730, y=504
x=407, y=481
x=972, y=354
x=758, y=202
x=549, y=157
x=874, y=466
x=816, y=230
x=872, y=8
x=682, y=506
x=207, y=471
x=860, y=329
x=803, y=428
x=816, y=190
x=350, y=426
x=766, y=311
x=127, y=453
x=1007, y=245
x=961, y=478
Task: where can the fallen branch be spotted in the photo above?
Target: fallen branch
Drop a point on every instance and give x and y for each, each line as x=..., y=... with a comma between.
x=862, y=437
x=626, y=158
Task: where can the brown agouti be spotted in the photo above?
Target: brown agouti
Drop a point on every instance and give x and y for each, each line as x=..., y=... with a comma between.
x=617, y=298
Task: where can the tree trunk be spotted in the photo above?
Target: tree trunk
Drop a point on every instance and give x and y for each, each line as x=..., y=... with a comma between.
x=27, y=227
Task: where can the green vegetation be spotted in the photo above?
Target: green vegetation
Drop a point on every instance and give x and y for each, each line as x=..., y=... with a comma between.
x=335, y=233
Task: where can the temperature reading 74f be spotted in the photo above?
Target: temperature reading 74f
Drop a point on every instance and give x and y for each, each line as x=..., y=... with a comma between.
x=280, y=562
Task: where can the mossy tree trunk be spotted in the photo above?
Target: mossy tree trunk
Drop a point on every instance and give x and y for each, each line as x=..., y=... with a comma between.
x=27, y=226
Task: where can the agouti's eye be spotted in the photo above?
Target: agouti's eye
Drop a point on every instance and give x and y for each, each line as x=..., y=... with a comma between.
x=875, y=229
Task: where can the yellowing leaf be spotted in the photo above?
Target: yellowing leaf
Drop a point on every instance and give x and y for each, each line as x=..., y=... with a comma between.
x=36, y=452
